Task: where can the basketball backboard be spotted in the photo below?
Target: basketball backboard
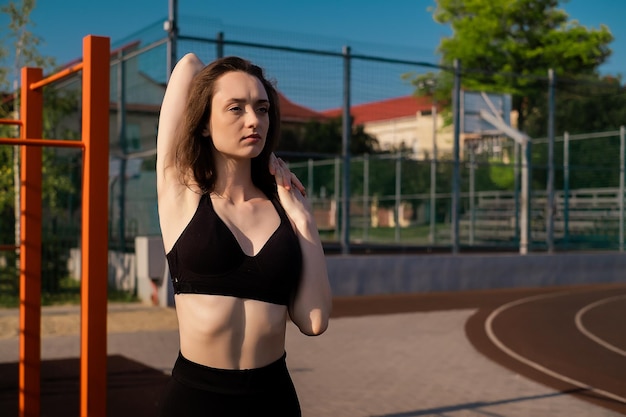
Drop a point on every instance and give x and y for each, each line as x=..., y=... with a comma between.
x=472, y=102
x=488, y=114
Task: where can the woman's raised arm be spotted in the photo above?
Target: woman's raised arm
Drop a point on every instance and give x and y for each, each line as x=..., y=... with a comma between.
x=171, y=116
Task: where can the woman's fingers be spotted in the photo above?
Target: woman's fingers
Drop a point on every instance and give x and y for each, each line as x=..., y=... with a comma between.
x=286, y=174
x=277, y=170
x=298, y=184
x=284, y=177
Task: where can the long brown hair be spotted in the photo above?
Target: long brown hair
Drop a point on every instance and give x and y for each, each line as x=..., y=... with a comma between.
x=194, y=152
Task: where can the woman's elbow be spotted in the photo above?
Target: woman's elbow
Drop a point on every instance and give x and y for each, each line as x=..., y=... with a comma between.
x=317, y=324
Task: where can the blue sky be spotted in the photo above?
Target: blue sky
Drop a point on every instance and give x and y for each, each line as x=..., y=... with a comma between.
x=63, y=24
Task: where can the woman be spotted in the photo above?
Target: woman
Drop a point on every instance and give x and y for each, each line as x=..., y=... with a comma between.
x=241, y=242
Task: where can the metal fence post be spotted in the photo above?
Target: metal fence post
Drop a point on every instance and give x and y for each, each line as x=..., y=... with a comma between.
x=345, y=145
x=566, y=189
x=123, y=144
x=516, y=187
x=398, y=196
x=550, y=182
x=472, y=194
x=219, y=45
x=526, y=212
x=309, y=184
x=456, y=176
x=171, y=26
x=337, y=195
x=622, y=157
x=366, y=196
x=433, y=178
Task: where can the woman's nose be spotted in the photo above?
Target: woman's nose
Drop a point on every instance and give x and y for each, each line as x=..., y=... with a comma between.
x=252, y=118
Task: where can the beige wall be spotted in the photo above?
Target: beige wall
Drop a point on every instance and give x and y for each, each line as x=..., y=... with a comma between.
x=416, y=132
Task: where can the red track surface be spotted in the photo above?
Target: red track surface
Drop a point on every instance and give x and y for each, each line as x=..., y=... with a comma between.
x=572, y=339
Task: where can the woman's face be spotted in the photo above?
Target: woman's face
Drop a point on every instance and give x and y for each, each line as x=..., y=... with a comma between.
x=239, y=118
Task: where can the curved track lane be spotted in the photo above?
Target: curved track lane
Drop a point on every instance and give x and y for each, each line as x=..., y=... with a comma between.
x=591, y=321
x=573, y=340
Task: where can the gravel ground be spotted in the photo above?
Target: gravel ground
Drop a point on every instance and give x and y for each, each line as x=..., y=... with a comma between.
x=65, y=320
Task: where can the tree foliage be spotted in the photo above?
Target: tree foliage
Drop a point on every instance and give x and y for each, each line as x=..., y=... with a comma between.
x=325, y=137
x=323, y=140
x=583, y=105
x=509, y=46
x=19, y=48
x=23, y=43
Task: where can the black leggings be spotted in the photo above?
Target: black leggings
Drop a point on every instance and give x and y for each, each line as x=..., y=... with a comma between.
x=198, y=390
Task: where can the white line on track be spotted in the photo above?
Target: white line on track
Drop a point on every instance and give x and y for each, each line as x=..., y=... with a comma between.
x=588, y=333
x=491, y=334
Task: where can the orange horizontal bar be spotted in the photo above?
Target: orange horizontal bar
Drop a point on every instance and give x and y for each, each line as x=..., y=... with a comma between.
x=43, y=142
x=10, y=122
x=57, y=76
x=8, y=248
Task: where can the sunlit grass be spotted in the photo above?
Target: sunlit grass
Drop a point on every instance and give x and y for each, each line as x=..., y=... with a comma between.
x=412, y=235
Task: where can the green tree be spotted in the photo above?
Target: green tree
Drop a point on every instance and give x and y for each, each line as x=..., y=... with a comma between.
x=508, y=46
x=23, y=48
x=325, y=137
x=19, y=48
x=585, y=104
x=24, y=43
x=323, y=140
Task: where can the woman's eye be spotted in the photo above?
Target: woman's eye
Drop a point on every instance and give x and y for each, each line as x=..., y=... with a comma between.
x=235, y=109
x=263, y=110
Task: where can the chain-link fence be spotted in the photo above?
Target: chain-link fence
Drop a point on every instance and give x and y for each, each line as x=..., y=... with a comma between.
x=411, y=194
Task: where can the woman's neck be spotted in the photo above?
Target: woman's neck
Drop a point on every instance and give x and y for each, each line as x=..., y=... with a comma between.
x=234, y=181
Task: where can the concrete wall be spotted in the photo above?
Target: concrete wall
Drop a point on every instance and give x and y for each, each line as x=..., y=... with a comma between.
x=389, y=274
x=392, y=274
x=122, y=269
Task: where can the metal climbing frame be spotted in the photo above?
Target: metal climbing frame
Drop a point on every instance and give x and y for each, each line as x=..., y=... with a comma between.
x=94, y=245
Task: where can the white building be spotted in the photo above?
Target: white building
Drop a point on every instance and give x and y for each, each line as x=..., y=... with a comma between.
x=403, y=122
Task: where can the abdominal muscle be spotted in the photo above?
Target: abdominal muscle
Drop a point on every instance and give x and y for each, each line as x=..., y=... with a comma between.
x=228, y=332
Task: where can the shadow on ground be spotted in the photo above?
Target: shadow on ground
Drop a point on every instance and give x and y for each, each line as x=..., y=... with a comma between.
x=133, y=389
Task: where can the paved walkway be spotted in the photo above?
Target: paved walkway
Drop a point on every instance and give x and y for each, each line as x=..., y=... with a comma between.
x=399, y=364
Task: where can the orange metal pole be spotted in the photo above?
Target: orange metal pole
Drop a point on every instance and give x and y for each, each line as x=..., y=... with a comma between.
x=30, y=249
x=10, y=122
x=95, y=133
x=56, y=76
x=59, y=143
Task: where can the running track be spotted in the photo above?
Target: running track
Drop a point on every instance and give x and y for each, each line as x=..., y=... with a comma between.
x=572, y=339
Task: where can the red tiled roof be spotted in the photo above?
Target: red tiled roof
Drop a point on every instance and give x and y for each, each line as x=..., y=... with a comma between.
x=393, y=108
x=292, y=112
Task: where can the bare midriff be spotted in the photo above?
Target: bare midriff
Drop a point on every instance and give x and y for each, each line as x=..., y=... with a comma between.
x=229, y=332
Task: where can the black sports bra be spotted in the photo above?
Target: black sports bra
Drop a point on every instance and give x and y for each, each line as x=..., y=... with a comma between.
x=207, y=259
